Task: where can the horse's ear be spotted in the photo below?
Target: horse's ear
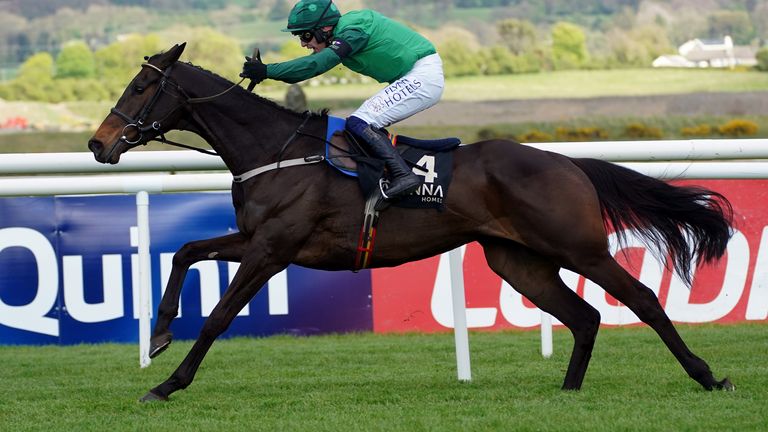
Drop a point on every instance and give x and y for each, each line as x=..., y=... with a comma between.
x=172, y=55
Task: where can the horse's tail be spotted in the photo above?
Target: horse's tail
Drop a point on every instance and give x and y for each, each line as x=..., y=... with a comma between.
x=689, y=222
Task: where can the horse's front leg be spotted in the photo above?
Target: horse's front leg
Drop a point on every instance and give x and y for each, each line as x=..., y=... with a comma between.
x=227, y=248
x=256, y=268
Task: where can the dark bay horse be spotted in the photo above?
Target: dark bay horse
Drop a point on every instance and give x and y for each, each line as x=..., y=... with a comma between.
x=534, y=212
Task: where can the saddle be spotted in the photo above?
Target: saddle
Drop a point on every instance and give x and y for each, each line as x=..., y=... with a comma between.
x=431, y=159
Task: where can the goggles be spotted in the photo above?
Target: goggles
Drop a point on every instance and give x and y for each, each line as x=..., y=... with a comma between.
x=305, y=36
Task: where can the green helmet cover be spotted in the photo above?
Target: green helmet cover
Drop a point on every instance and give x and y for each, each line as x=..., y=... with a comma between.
x=311, y=14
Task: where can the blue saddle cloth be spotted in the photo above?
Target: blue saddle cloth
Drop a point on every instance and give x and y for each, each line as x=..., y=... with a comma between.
x=335, y=124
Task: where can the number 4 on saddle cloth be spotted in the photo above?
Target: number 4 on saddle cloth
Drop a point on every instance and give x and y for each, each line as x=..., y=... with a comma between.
x=431, y=160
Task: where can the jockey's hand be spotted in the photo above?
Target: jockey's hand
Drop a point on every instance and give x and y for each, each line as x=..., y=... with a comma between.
x=254, y=70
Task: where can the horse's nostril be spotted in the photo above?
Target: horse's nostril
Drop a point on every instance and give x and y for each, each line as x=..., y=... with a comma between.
x=95, y=146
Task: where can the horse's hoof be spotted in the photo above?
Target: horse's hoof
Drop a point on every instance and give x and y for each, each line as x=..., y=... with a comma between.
x=159, y=344
x=151, y=397
x=726, y=385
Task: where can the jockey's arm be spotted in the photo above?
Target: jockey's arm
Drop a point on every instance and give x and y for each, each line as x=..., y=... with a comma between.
x=303, y=68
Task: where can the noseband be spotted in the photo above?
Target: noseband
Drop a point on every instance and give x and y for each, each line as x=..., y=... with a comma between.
x=138, y=123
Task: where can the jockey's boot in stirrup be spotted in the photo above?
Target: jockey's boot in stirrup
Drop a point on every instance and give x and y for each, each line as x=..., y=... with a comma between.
x=402, y=180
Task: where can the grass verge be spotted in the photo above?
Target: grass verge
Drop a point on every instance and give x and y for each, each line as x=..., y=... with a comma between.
x=394, y=382
x=670, y=128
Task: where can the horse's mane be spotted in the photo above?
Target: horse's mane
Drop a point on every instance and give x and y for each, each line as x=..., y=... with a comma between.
x=260, y=99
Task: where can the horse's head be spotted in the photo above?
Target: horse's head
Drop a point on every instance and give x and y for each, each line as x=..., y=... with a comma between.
x=149, y=107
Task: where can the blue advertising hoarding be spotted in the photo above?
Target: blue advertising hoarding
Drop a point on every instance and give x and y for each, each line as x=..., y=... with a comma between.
x=68, y=273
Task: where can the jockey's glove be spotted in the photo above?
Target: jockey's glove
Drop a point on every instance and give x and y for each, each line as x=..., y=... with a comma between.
x=254, y=70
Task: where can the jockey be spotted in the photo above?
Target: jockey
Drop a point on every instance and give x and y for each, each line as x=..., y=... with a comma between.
x=371, y=44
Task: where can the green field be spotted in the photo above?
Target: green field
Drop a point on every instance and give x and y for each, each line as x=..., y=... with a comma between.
x=569, y=84
x=365, y=382
x=565, y=84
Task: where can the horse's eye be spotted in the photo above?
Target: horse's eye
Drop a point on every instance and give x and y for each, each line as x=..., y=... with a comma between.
x=138, y=89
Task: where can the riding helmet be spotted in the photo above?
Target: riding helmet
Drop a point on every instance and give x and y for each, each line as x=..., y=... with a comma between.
x=312, y=14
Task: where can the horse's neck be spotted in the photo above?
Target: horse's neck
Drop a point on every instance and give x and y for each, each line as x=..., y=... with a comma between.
x=245, y=138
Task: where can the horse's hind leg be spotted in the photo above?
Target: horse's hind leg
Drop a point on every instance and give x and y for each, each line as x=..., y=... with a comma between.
x=537, y=278
x=227, y=248
x=607, y=273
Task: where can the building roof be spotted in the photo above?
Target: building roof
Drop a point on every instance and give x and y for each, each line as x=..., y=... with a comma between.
x=710, y=53
x=673, y=61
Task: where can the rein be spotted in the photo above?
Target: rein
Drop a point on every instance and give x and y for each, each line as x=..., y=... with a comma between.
x=193, y=101
x=210, y=98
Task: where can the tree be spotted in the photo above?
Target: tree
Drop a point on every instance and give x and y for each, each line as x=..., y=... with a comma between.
x=75, y=61
x=24, y=47
x=569, y=46
x=34, y=80
x=388, y=7
x=279, y=11
x=637, y=47
x=72, y=89
x=519, y=36
x=212, y=50
x=441, y=9
x=762, y=59
x=14, y=39
x=39, y=68
x=458, y=59
x=118, y=62
x=760, y=20
x=736, y=24
x=498, y=60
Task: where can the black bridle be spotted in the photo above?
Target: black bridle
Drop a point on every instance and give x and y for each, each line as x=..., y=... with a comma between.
x=138, y=122
x=166, y=82
x=155, y=128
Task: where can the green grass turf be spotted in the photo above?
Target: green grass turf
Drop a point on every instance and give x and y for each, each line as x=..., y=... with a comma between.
x=363, y=382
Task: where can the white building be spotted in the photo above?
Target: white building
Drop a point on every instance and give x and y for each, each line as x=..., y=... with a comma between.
x=721, y=53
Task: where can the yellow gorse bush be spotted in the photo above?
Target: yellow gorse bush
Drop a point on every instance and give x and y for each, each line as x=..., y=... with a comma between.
x=738, y=127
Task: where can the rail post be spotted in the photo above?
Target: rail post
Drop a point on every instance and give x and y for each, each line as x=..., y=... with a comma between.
x=145, y=276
